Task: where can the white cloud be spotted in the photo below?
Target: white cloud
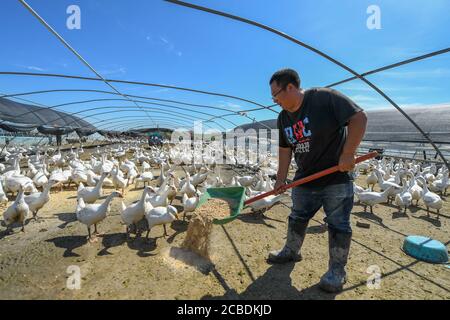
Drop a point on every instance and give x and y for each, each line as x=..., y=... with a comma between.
x=28, y=67
x=363, y=98
x=353, y=87
x=35, y=68
x=434, y=73
x=170, y=47
x=406, y=106
x=230, y=105
x=385, y=88
x=160, y=90
x=113, y=70
x=164, y=40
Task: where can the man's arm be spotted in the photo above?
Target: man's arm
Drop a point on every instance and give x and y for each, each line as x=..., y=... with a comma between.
x=284, y=161
x=356, y=129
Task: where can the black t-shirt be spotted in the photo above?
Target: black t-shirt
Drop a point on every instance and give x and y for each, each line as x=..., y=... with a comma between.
x=316, y=132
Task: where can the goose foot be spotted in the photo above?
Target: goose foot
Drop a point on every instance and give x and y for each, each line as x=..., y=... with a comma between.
x=98, y=233
x=93, y=239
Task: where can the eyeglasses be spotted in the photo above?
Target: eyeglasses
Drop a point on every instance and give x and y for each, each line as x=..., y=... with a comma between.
x=278, y=92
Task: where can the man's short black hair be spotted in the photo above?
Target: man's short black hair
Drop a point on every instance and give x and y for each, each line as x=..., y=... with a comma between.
x=285, y=76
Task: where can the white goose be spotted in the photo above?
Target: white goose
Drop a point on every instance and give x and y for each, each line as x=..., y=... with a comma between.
x=161, y=177
x=187, y=187
x=219, y=181
x=79, y=175
x=260, y=181
x=31, y=170
x=265, y=203
x=252, y=193
x=246, y=181
x=36, y=201
x=145, y=166
x=200, y=177
x=385, y=184
x=15, y=183
x=363, y=166
x=235, y=182
x=135, y=211
x=3, y=197
x=40, y=179
x=372, y=198
x=17, y=211
x=131, y=175
x=91, y=194
x=118, y=180
x=15, y=169
x=173, y=190
x=431, y=199
x=60, y=178
x=58, y=159
x=415, y=189
x=404, y=198
x=395, y=188
x=158, y=199
x=144, y=177
x=106, y=165
x=160, y=215
x=92, y=214
x=357, y=190
x=441, y=184
x=429, y=173
x=91, y=179
x=189, y=204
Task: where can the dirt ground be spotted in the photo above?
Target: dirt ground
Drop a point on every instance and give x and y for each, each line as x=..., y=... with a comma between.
x=34, y=264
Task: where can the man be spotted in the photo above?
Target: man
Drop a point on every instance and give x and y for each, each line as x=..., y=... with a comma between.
x=323, y=128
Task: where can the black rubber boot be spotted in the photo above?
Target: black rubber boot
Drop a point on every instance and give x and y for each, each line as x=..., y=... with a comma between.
x=291, y=250
x=339, y=247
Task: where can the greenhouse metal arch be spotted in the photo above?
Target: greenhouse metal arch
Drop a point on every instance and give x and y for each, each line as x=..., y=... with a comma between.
x=260, y=106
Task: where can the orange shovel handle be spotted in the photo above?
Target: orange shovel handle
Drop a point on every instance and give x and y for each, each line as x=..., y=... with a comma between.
x=314, y=176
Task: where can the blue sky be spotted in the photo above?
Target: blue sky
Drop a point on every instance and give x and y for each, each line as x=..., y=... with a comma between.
x=158, y=42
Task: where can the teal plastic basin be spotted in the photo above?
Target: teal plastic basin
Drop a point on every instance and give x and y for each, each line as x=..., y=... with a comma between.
x=425, y=249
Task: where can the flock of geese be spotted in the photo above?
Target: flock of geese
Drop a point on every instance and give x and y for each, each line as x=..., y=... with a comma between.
x=401, y=183
x=30, y=180
x=120, y=167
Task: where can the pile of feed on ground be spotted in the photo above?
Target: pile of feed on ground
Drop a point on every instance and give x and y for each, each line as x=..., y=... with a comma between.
x=198, y=235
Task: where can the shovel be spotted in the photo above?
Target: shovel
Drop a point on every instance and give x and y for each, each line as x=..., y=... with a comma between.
x=236, y=195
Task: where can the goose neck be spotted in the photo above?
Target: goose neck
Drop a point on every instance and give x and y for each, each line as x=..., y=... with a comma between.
x=107, y=201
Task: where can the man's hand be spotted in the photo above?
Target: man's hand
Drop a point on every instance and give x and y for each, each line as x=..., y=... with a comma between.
x=279, y=187
x=346, y=162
